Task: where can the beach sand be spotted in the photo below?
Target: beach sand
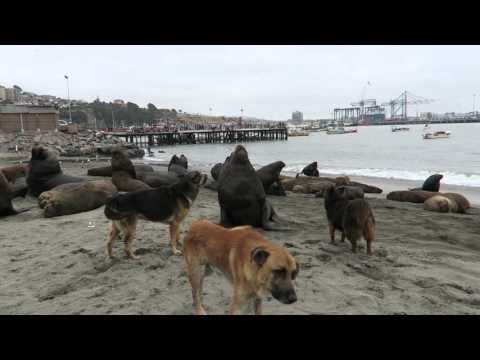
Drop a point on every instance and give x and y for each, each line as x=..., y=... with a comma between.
x=423, y=262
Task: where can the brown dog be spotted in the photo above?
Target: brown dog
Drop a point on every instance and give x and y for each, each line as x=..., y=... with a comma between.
x=354, y=218
x=250, y=262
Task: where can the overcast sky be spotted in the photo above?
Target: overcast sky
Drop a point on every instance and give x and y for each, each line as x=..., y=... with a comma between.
x=267, y=81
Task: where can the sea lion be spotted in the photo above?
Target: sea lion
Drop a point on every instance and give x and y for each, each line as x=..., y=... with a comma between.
x=417, y=197
x=156, y=179
x=107, y=170
x=6, y=196
x=19, y=188
x=431, y=184
x=44, y=172
x=276, y=189
x=440, y=203
x=367, y=189
x=124, y=176
x=310, y=170
x=215, y=171
x=178, y=165
x=309, y=185
x=269, y=175
x=14, y=172
x=75, y=198
x=462, y=203
x=241, y=195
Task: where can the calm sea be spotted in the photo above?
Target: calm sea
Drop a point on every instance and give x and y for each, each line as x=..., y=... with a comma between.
x=373, y=151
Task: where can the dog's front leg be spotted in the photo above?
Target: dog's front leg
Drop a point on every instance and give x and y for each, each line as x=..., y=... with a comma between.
x=174, y=235
x=331, y=228
x=257, y=303
x=237, y=300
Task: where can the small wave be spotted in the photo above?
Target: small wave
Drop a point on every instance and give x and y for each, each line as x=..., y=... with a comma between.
x=450, y=178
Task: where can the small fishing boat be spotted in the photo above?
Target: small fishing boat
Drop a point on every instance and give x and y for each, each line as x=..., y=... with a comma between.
x=340, y=130
x=399, y=128
x=429, y=134
x=437, y=135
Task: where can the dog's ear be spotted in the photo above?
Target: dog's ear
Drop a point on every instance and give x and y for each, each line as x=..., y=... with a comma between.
x=259, y=256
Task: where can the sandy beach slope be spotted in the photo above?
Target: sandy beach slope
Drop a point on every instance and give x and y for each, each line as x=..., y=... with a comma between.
x=423, y=263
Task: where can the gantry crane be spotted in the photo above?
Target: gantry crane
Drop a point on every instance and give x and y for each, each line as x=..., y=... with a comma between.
x=398, y=106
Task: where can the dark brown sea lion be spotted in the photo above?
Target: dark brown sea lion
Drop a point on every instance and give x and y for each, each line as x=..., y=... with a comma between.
x=417, y=197
x=6, y=196
x=367, y=189
x=431, y=184
x=178, y=165
x=44, y=172
x=75, y=198
x=310, y=170
x=107, y=170
x=14, y=172
x=215, y=171
x=269, y=175
x=124, y=176
x=241, y=195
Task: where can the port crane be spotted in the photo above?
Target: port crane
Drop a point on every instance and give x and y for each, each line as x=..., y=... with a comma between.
x=398, y=106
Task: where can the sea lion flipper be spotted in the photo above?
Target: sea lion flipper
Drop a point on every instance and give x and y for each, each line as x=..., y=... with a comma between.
x=270, y=219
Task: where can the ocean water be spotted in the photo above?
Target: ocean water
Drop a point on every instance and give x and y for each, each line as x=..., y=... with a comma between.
x=374, y=151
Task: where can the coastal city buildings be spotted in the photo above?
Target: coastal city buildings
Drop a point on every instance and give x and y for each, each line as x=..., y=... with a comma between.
x=297, y=117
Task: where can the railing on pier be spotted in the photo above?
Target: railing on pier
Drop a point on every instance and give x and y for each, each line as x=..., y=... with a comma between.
x=203, y=136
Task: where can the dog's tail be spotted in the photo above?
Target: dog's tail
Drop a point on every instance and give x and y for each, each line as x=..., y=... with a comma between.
x=116, y=208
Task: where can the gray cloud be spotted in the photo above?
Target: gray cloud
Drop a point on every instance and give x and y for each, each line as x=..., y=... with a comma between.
x=268, y=81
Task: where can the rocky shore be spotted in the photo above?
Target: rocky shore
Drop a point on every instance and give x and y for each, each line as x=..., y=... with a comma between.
x=87, y=143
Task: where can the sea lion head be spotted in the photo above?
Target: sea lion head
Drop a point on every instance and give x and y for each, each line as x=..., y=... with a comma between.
x=121, y=162
x=239, y=155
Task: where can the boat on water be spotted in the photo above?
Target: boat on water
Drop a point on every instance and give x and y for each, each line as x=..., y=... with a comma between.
x=400, y=128
x=340, y=130
x=297, y=131
x=428, y=134
x=437, y=135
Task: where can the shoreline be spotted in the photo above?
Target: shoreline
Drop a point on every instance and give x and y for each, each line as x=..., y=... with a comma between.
x=423, y=262
x=472, y=193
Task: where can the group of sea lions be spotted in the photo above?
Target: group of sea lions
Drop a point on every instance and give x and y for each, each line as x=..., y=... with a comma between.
x=429, y=195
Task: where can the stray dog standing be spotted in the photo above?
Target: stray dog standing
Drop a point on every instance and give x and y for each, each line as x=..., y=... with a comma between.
x=166, y=204
x=250, y=262
x=354, y=218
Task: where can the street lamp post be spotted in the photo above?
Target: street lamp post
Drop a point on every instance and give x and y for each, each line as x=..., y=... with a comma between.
x=68, y=95
x=474, y=103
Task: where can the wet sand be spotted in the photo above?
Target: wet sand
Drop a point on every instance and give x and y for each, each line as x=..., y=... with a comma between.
x=423, y=262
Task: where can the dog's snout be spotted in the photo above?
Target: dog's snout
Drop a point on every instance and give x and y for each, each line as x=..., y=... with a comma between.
x=291, y=297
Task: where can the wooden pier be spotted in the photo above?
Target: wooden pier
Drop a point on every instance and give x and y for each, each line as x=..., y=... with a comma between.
x=203, y=136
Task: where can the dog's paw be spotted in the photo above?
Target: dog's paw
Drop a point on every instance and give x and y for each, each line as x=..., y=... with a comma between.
x=176, y=252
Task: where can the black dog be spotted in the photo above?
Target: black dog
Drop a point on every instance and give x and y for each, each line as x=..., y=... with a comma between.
x=166, y=204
